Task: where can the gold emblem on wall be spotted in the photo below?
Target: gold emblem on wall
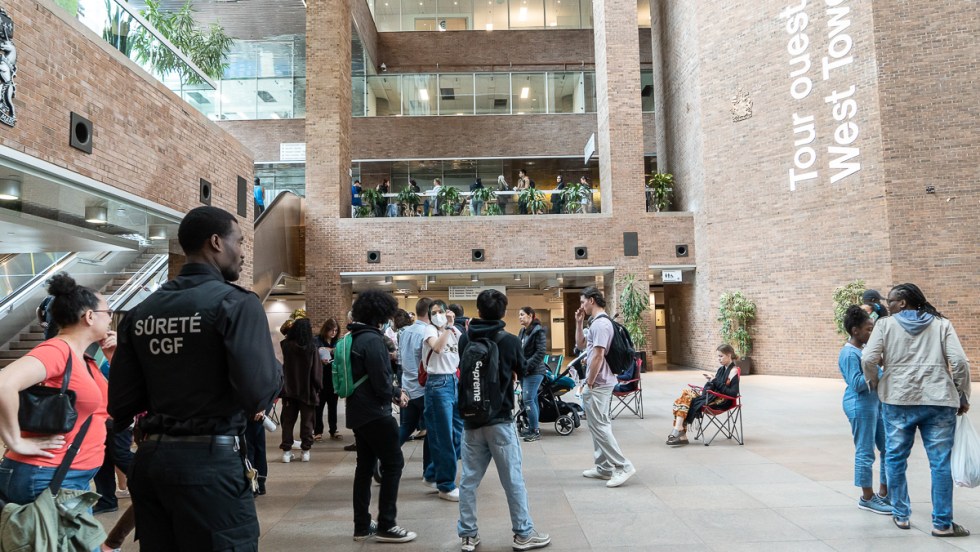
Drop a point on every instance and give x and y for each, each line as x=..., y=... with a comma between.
x=741, y=105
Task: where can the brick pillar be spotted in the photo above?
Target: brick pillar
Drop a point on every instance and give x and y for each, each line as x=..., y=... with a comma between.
x=328, y=130
x=619, y=140
x=658, y=37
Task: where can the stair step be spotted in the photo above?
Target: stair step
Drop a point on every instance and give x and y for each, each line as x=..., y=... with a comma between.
x=13, y=355
x=23, y=345
x=4, y=362
x=32, y=336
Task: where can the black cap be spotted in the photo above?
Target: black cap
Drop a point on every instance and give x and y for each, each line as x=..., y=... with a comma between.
x=871, y=296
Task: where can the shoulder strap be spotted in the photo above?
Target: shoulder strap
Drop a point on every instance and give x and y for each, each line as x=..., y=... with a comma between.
x=64, y=380
x=499, y=337
x=62, y=471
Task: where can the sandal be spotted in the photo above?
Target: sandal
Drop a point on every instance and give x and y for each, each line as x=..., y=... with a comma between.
x=677, y=440
x=901, y=523
x=955, y=530
x=318, y=437
x=336, y=437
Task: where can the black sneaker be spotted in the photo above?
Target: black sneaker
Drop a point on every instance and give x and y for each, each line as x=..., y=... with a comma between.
x=532, y=436
x=395, y=534
x=372, y=531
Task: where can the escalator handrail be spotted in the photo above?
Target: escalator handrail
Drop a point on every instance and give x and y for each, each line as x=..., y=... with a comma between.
x=135, y=283
x=271, y=205
x=39, y=279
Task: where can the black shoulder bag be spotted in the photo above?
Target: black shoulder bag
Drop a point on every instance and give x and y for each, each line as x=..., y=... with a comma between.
x=48, y=410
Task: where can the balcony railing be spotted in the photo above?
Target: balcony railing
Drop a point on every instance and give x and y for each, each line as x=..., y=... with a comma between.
x=506, y=202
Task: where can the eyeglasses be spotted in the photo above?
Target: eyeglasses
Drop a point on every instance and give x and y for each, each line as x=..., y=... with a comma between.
x=107, y=311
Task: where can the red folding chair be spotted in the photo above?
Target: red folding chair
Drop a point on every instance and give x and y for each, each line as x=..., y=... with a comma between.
x=726, y=421
x=631, y=400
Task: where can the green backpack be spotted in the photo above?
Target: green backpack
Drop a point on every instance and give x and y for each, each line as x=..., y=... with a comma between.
x=343, y=377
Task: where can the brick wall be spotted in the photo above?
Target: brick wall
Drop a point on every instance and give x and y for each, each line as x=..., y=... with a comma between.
x=262, y=138
x=929, y=102
x=146, y=141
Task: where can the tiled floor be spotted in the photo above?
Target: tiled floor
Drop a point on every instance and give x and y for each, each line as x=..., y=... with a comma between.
x=788, y=488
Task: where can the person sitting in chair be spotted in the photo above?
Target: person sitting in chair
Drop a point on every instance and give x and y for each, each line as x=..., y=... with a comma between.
x=691, y=402
x=625, y=384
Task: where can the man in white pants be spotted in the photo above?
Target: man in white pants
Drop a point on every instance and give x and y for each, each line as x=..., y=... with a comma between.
x=610, y=463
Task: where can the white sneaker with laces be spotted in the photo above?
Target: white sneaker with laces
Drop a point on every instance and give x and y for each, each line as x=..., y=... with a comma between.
x=470, y=543
x=594, y=473
x=305, y=457
x=452, y=496
x=621, y=476
x=287, y=457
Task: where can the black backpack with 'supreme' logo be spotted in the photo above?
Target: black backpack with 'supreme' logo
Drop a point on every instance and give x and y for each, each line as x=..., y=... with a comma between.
x=480, y=397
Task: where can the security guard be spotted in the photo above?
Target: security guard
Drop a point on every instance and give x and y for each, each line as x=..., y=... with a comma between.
x=197, y=357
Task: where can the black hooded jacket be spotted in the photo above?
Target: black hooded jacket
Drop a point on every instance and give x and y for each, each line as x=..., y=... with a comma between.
x=535, y=346
x=511, y=362
x=369, y=355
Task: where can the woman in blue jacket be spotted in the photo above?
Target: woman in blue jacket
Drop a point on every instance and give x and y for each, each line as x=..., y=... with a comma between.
x=863, y=410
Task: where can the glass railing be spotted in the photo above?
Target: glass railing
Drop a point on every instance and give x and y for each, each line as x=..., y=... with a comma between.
x=18, y=270
x=121, y=25
x=432, y=94
x=480, y=15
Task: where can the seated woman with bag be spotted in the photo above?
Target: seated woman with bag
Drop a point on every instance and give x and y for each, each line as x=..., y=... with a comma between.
x=32, y=458
x=691, y=402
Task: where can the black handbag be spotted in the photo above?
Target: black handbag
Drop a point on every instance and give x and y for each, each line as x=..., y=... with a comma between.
x=48, y=410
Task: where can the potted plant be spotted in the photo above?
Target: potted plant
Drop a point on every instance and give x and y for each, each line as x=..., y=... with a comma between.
x=633, y=302
x=449, y=200
x=206, y=48
x=363, y=211
x=573, y=195
x=736, y=312
x=845, y=297
x=371, y=199
x=116, y=31
x=488, y=197
x=660, y=191
x=408, y=201
x=533, y=199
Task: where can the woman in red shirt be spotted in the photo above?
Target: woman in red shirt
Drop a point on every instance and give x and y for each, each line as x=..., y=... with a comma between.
x=31, y=460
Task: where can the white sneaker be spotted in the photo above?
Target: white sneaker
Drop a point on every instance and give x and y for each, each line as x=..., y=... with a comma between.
x=621, y=476
x=287, y=457
x=452, y=496
x=305, y=457
x=594, y=473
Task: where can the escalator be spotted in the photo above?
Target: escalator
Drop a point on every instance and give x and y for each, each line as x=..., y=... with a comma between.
x=124, y=277
x=279, y=262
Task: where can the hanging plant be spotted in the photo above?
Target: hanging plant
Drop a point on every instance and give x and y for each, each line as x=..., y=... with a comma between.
x=633, y=302
x=533, y=199
x=660, y=190
x=845, y=297
x=736, y=311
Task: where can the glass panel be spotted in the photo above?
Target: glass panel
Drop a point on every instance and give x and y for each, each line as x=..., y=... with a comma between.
x=585, y=8
x=299, y=98
x=281, y=177
x=202, y=98
x=17, y=270
x=274, y=59
x=241, y=61
x=456, y=15
x=566, y=92
x=419, y=95
x=384, y=96
x=459, y=173
x=646, y=89
x=526, y=14
x=492, y=94
x=490, y=16
x=275, y=98
x=359, y=96
x=563, y=14
x=238, y=99
x=528, y=93
x=643, y=13
x=456, y=94
x=387, y=15
x=590, y=100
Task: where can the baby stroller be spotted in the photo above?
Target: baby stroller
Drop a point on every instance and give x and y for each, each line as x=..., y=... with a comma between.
x=566, y=416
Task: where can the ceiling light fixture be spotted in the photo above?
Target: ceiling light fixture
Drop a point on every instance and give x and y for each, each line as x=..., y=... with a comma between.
x=423, y=94
x=9, y=188
x=525, y=92
x=96, y=215
x=474, y=278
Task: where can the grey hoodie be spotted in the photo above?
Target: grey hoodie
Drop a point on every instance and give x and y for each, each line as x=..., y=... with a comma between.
x=922, y=361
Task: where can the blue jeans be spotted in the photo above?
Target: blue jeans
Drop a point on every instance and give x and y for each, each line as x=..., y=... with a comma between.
x=412, y=418
x=529, y=395
x=21, y=483
x=868, y=431
x=499, y=442
x=936, y=424
x=444, y=428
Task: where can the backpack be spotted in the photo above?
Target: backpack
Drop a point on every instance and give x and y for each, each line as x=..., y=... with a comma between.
x=342, y=373
x=479, y=380
x=621, y=356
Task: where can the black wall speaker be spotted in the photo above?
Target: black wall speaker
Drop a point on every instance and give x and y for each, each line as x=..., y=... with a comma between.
x=373, y=257
x=205, y=192
x=681, y=250
x=581, y=252
x=478, y=255
x=81, y=133
x=631, y=244
x=243, y=197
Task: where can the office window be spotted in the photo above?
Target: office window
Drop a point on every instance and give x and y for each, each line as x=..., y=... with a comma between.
x=528, y=93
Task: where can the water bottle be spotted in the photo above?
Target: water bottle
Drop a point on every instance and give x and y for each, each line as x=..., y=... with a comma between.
x=270, y=426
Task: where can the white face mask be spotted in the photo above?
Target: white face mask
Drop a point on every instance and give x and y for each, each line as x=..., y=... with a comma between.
x=439, y=320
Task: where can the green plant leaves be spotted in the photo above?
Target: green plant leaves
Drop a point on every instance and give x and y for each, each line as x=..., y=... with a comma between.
x=633, y=302
x=735, y=312
x=844, y=297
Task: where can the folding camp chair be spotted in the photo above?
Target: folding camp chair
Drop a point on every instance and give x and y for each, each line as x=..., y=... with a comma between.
x=726, y=421
x=631, y=396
